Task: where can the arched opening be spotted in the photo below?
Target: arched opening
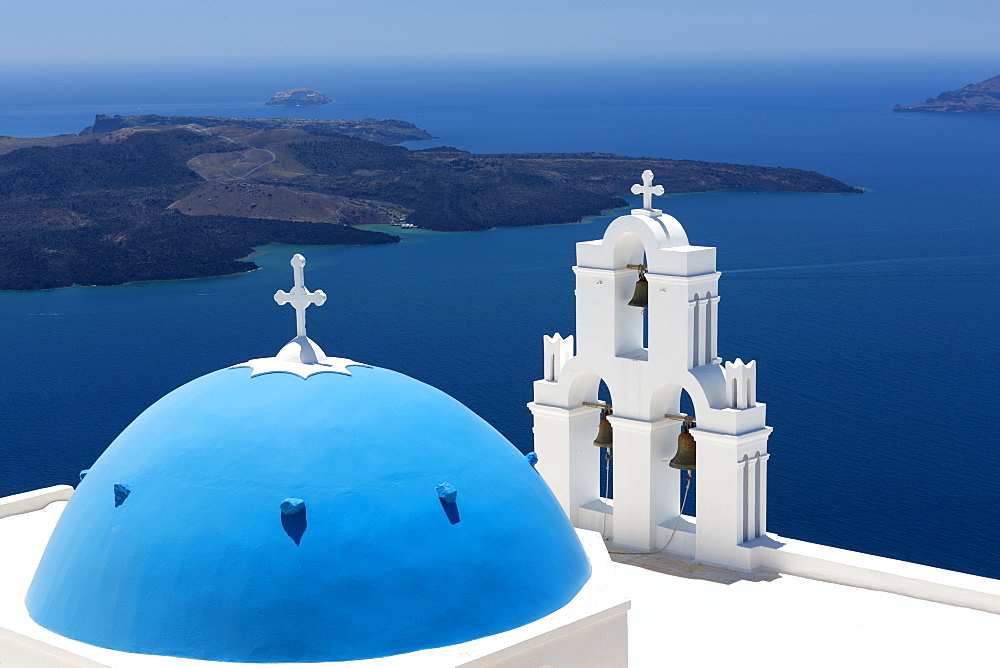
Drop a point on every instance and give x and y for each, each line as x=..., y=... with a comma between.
x=696, y=333
x=606, y=477
x=630, y=320
x=709, y=352
x=628, y=250
x=671, y=482
x=585, y=484
x=756, y=492
x=689, y=504
x=746, y=499
x=645, y=317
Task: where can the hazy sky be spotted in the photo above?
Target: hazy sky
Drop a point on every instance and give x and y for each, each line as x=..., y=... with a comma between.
x=226, y=30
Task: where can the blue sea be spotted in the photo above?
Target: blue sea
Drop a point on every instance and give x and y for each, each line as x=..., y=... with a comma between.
x=873, y=317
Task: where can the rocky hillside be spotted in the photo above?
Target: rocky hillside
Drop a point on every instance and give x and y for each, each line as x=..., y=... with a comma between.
x=974, y=98
x=97, y=213
x=381, y=130
x=162, y=201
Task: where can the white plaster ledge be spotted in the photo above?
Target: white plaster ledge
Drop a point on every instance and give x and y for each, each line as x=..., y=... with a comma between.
x=33, y=500
x=560, y=412
x=600, y=505
x=856, y=569
x=24, y=652
x=680, y=543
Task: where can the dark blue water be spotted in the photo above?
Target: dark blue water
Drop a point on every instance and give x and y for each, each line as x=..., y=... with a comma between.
x=874, y=318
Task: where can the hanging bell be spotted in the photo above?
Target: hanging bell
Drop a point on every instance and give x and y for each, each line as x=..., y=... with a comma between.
x=605, y=434
x=685, y=457
x=640, y=298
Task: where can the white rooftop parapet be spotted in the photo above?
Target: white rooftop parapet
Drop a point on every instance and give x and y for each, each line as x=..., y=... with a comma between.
x=34, y=500
x=558, y=351
x=741, y=384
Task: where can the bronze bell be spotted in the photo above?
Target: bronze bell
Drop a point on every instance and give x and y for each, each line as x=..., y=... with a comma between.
x=640, y=297
x=685, y=457
x=605, y=434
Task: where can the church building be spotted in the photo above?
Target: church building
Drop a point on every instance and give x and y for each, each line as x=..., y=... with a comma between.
x=309, y=509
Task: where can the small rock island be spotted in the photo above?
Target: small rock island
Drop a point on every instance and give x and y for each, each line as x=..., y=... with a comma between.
x=298, y=97
x=982, y=97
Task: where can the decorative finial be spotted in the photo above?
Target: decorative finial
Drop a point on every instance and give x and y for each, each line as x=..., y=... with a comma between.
x=647, y=190
x=300, y=298
x=301, y=355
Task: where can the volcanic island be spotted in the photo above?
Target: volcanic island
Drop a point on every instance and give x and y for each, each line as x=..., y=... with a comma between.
x=136, y=198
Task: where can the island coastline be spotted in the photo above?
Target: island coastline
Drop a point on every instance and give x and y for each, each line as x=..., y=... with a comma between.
x=977, y=98
x=161, y=202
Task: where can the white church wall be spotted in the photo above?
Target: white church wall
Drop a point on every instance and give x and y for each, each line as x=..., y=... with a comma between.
x=600, y=645
x=34, y=500
x=567, y=460
x=19, y=651
x=856, y=569
x=598, y=515
x=640, y=459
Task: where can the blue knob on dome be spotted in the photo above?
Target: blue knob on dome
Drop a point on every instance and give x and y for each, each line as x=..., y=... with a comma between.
x=83, y=473
x=121, y=493
x=532, y=458
x=446, y=493
x=292, y=506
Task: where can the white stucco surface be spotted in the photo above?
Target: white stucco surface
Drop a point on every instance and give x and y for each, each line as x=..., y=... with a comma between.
x=685, y=614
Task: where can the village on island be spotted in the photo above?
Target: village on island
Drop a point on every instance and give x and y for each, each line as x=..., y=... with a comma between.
x=304, y=508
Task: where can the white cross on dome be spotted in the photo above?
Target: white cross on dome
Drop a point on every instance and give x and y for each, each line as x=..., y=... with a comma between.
x=299, y=297
x=300, y=356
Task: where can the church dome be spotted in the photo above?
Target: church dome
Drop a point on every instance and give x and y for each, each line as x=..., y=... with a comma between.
x=263, y=513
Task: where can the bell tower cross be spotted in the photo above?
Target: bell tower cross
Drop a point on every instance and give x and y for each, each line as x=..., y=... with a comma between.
x=647, y=190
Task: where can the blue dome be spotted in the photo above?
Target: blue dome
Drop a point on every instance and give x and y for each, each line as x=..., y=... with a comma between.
x=177, y=542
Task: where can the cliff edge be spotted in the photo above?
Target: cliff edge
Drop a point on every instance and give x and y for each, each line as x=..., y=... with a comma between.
x=982, y=97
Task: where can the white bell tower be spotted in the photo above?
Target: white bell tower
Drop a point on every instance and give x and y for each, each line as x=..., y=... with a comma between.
x=645, y=380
